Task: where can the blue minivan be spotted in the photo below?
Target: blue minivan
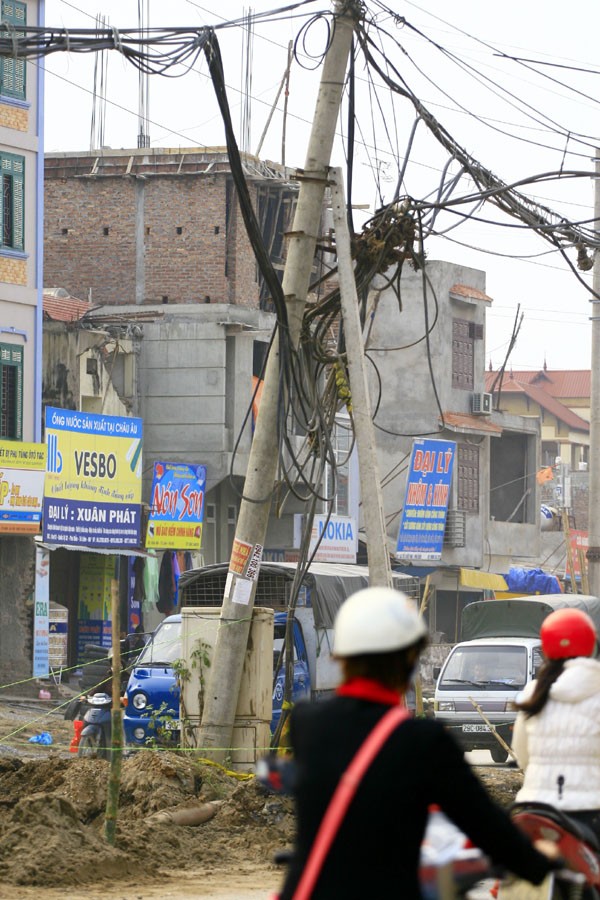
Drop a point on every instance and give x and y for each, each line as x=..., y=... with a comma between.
x=152, y=711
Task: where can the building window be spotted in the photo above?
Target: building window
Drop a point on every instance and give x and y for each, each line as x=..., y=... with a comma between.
x=512, y=478
x=462, y=354
x=12, y=71
x=339, y=483
x=11, y=392
x=467, y=491
x=13, y=187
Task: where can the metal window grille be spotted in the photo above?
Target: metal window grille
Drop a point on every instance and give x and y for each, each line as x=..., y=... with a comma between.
x=455, y=530
x=468, y=478
x=208, y=589
x=462, y=355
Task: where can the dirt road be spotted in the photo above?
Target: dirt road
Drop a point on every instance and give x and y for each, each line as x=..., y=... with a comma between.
x=245, y=882
x=52, y=807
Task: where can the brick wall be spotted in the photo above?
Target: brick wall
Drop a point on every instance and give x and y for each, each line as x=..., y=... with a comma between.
x=78, y=255
x=14, y=117
x=13, y=271
x=179, y=249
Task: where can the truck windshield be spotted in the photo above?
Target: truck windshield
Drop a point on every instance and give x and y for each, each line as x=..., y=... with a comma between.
x=164, y=647
x=489, y=668
x=278, y=642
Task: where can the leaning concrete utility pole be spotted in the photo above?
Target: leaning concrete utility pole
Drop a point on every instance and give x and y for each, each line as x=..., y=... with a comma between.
x=593, y=553
x=380, y=570
x=240, y=589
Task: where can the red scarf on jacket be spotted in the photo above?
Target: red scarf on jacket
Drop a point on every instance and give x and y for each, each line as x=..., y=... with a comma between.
x=369, y=689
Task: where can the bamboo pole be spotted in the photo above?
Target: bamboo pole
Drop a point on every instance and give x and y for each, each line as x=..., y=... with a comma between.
x=585, y=582
x=492, y=728
x=116, y=756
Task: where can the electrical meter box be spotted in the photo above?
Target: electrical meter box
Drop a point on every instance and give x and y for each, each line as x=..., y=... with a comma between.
x=251, y=730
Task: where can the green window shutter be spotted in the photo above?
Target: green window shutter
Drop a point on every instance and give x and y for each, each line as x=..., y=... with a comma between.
x=11, y=391
x=18, y=202
x=13, y=70
x=13, y=167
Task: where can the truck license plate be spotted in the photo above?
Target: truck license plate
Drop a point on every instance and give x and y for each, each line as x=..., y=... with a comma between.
x=171, y=725
x=472, y=728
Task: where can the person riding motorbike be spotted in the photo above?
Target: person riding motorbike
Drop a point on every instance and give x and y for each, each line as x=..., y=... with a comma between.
x=378, y=637
x=557, y=731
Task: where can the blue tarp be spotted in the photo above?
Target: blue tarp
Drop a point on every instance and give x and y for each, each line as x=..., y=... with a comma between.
x=531, y=581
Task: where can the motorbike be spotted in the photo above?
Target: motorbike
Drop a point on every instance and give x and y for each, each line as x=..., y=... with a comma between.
x=92, y=726
x=95, y=738
x=577, y=844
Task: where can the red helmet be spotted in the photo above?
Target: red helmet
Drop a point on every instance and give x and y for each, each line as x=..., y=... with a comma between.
x=566, y=633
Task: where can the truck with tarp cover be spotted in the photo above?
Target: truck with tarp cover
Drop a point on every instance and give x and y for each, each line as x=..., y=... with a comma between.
x=499, y=653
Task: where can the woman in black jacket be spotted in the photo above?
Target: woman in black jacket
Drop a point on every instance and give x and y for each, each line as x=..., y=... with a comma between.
x=378, y=639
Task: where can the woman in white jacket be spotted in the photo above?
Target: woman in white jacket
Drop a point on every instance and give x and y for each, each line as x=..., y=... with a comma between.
x=557, y=731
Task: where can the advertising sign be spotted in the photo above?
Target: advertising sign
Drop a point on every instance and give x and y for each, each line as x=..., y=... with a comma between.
x=22, y=471
x=96, y=573
x=338, y=536
x=176, y=507
x=93, y=487
x=426, y=501
x=41, y=614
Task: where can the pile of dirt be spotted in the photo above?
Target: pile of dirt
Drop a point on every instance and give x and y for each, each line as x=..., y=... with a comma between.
x=52, y=817
x=501, y=783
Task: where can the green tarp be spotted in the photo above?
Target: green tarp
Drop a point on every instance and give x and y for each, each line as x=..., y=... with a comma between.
x=520, y=617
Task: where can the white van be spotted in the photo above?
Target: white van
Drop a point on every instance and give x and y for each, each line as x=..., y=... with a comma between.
x=501, y=653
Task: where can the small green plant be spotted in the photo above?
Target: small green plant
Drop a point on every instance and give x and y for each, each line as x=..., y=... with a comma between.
x=162, y=723
x=199, y=661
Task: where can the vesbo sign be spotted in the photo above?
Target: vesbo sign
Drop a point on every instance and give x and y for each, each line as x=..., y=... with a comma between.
x=339, y=538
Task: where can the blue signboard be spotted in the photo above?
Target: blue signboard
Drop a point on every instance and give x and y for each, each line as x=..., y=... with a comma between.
x=426, y=501
x=176, y=507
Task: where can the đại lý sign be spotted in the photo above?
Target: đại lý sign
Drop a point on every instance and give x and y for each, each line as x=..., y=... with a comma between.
x=425, y=509
x=176, y=507
x=22, y=472
x=93, y=489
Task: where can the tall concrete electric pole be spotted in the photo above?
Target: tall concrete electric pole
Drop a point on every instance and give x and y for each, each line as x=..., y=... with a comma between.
x=232, y=637
x=593, y=553
x=380, y=570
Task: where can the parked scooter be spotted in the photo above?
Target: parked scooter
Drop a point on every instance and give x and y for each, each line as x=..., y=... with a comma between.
x=95, y=739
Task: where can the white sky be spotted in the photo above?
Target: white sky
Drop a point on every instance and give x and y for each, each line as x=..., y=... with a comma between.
x=516, y=136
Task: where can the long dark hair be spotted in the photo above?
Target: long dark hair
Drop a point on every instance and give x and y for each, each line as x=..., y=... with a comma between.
x=547, y=675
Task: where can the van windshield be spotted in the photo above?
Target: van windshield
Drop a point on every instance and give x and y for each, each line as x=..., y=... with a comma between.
x=164, y=647
x=488, y=668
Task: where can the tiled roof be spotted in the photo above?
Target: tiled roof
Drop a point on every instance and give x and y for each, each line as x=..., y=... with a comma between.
x=469, y=293
x=556, y=382
x=539, y=395
x=462, y=422
x=64, y=309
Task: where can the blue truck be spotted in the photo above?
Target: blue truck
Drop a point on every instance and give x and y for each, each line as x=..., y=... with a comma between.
x=152, y=712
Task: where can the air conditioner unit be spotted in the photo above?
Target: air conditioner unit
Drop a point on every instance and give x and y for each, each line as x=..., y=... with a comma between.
x=481, y=404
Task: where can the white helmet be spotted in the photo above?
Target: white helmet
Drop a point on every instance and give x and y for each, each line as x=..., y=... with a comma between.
x=376, y=620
